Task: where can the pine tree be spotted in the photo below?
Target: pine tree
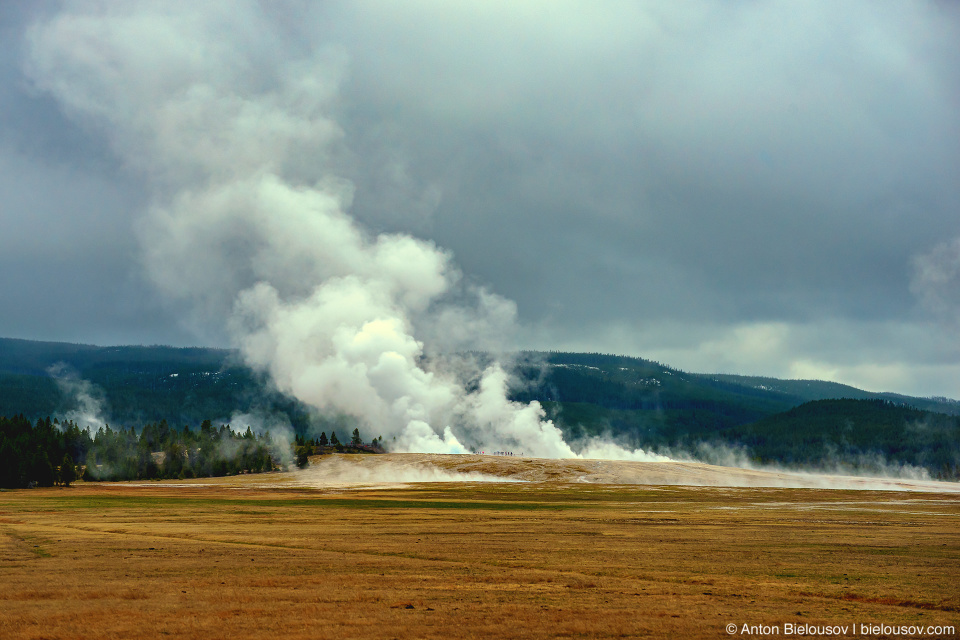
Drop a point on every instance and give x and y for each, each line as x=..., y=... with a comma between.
x=9, y=464
x=68, y=472
x=302, y=459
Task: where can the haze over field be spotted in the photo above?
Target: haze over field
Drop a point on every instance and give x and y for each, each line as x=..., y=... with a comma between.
x=404, y=468
x=340, y=190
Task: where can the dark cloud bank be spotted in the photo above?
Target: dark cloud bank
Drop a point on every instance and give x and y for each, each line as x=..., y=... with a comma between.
x=757, y=188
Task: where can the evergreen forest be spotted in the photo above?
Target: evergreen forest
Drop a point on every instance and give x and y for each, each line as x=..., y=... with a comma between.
x=48, y=453
x=808, y=424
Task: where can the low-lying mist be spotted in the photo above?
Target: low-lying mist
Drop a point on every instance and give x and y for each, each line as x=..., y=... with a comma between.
x=369, y=470
x=338, y=472
x=867, y=465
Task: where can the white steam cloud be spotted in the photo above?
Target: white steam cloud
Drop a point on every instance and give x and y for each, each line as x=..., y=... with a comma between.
x=833, y=465
x=251, y=228
x=87, y=396
x=276, y=426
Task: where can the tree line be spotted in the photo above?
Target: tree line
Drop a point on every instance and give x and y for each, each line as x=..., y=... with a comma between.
x=305, y=447
x=50, y=453
x=860, y=433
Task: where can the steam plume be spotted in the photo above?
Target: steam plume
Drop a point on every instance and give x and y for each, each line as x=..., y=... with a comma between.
x=249, y=223
x=88, y=398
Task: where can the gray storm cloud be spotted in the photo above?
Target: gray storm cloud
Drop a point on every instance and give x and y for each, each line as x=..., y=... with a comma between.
x=936, y=279
x=741, y=187
x=250, y=226
x=644, y=174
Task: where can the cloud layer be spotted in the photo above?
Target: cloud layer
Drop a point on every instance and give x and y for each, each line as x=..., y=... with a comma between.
x=249, y=226
x=765, y=189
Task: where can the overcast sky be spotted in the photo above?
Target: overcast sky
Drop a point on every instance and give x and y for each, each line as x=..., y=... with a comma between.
x=768, y=188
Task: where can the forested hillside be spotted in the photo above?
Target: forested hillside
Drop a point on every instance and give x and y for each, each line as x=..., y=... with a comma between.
x=637, y=402
x=134, y=386
x=833, y=434
x=54, y=452
x=642, y=401
x=797, y=423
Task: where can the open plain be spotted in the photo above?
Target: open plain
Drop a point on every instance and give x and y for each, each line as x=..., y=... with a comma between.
x=423, y=546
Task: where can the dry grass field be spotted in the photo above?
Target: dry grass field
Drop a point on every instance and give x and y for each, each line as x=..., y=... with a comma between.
x=305, y=556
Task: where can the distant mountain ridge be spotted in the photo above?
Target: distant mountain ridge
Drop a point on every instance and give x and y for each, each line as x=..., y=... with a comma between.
x=833, y=434
x=136, y=385
x=35, y=357
x=640, y=403
x=824, y=390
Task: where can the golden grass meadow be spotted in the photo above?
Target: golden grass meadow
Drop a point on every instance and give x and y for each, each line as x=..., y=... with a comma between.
x=272, y=556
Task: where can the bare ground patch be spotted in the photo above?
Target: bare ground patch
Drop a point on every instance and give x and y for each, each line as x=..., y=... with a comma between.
x=239, y=557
